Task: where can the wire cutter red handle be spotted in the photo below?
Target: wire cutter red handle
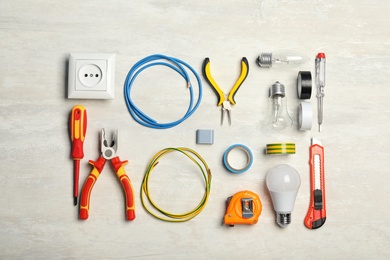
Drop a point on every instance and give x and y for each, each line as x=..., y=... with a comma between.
x=316, y=214
x=88, y=185
x=127, y=187
x=92, y=178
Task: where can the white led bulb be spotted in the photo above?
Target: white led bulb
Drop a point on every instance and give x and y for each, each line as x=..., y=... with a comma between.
x=283, y=183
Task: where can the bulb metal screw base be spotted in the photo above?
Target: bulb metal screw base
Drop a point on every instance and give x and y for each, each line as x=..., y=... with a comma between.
x=283, y=219
x=265, y=60
x=278, y=89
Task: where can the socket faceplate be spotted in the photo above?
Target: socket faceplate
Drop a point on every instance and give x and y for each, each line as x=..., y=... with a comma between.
x=91, y=75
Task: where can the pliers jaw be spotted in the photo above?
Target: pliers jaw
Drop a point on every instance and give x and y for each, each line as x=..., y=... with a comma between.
x=108, y=152
x=226, y=108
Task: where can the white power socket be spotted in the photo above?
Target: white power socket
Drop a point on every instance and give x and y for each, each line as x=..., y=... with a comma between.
x=91, y=75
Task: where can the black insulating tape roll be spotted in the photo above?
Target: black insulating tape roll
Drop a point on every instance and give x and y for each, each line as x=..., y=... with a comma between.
x=304, y=84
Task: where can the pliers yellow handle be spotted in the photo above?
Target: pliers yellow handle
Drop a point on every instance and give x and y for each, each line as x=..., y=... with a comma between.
x=221, y=95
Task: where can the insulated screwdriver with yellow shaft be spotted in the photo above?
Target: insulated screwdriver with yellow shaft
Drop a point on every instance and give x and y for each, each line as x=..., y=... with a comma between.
x=78, y=128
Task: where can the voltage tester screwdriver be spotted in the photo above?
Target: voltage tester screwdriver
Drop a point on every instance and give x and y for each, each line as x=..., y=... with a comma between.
x=320, y=81
x=78, y=128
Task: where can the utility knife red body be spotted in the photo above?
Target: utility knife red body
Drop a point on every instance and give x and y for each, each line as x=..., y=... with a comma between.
x=316, y=214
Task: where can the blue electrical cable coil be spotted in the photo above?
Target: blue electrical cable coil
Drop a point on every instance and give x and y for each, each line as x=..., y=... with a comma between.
x=177, y=65
x=248, y=153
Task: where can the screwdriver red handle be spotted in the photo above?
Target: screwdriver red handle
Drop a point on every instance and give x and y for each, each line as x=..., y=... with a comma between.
x=127, y=187
x=78, y=128
x=88, y=185
x=316, y=214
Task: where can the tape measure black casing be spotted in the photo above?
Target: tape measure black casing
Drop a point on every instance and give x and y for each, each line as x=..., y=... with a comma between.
x=304, y=84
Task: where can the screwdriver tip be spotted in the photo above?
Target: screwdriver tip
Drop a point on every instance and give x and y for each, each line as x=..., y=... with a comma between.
x=75, y=201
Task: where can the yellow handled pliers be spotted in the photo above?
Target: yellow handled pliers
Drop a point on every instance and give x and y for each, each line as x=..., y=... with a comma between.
x=223, y=99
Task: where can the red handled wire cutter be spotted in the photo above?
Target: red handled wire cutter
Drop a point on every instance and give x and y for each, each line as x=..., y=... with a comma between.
x=108, y=153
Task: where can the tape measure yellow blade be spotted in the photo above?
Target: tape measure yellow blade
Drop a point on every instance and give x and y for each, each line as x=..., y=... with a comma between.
x=240, y=80
x=207, y=75
x=280, y=148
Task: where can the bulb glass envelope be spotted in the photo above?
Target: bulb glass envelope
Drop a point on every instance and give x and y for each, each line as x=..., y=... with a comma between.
x=281, y=59
x=278, y=117
x=283, y=183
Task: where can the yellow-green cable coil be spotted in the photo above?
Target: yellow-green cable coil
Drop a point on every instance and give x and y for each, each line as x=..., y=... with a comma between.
x=171, y=217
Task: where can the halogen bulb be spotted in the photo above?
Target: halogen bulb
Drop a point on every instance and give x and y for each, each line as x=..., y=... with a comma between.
x=278, y=117
x=282, y=59
x=283, y=183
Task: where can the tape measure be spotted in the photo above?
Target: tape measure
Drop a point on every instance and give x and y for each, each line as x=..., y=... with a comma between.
x=244, y=207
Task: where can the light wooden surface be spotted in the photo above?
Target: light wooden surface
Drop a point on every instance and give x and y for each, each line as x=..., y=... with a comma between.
x=37, y=216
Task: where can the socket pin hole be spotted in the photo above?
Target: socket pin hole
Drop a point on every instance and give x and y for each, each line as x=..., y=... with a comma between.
x=91, y=75
x=97, y=75
x=85, y=75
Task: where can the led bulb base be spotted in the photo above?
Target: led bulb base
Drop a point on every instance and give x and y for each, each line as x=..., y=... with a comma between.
x=283, y=219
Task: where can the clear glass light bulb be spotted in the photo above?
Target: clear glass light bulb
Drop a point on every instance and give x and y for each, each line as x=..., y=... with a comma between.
x=281, y=59
x=283, y=183
x=278, y=117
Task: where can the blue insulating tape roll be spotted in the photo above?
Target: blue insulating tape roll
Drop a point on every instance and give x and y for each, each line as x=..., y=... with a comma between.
x=248, y=154
x=173, y=63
